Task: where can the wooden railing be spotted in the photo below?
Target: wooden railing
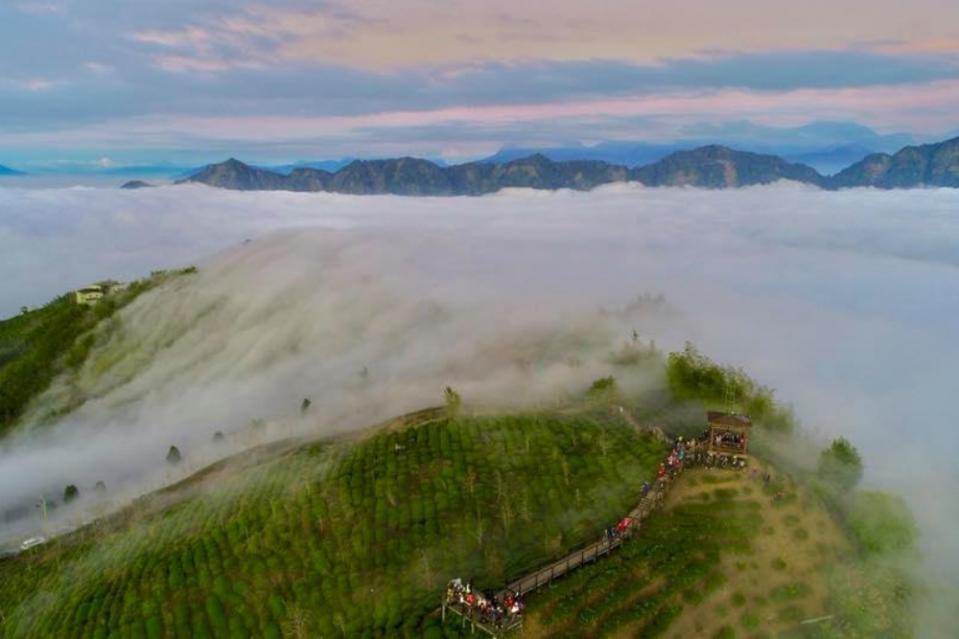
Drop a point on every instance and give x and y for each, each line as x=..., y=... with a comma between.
x=653, y=499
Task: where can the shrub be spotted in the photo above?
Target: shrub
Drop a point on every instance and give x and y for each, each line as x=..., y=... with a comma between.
x=749, y=620
x=881, y=523
x=452, y=399
x=789, y=592
x=726, y=632
x=602, y=387
x=871, y=599
x=693, y=376
x=840, y=464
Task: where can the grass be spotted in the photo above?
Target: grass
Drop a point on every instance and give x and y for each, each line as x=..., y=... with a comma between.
x=789, y=592
x=749, y=621
x=361, y=537
x=40, y=344
x=673, y=562
x=790, y=614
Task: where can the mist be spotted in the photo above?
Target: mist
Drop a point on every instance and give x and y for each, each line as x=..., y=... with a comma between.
x=845, y=302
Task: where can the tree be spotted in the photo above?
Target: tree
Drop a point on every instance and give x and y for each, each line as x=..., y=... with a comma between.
x=603, y=387
x=70, y=493
x=173, y=455
x=100, y=486
x=218, y=436
x=305, y=406
x=840, y=464
x=453, y=400
x=881, y=523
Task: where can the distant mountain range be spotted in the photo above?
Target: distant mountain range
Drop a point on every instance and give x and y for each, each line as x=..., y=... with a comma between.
x=5, y=170
x=923, y=165
x=825, y=159
x=135, y=184
x=713, y=167
x=826, y=146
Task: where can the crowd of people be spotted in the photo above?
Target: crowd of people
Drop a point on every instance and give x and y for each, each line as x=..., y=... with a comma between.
x=729, y=439
x=621, y=529
x=493, y=610
x=680, y=454
x=695, y=452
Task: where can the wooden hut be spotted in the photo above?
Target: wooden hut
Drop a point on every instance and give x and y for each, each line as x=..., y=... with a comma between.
x=728, y=433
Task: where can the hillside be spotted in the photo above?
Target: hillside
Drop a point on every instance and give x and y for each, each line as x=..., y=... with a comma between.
x=712, y=167
x=347, y=539
x=39, y=344
x=718, y=167
x=135, y=184
x=912, y=166
x=412, y=176
x=238, y=176
x=358, y=535
x=726, y=555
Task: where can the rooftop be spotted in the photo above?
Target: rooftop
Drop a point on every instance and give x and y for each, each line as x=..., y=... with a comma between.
x=728, y=419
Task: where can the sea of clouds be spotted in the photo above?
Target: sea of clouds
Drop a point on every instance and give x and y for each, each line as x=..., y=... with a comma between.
x=845, y=302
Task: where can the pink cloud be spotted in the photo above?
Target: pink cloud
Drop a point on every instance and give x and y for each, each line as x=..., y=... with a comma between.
x=905, y=106
x=930, y=45
x=925, y=109
x=381, y=34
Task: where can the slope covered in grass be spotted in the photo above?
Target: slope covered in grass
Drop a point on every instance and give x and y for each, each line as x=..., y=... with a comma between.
x=33, y=347
x=40, y=344
x=336, y=539
x=675, y=559
x=732, y=555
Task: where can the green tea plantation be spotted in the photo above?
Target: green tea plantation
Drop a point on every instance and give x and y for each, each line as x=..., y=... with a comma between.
x=336, y=539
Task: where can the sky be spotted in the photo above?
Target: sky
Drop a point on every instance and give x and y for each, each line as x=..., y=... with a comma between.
x=108, y=83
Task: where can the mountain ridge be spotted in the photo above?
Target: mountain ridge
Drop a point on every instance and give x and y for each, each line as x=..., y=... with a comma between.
x=711, y=167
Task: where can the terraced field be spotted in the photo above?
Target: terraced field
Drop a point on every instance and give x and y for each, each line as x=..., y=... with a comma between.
x=335, y=539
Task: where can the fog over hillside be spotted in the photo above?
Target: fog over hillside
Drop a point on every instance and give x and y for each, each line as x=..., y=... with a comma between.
x=845, y=302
